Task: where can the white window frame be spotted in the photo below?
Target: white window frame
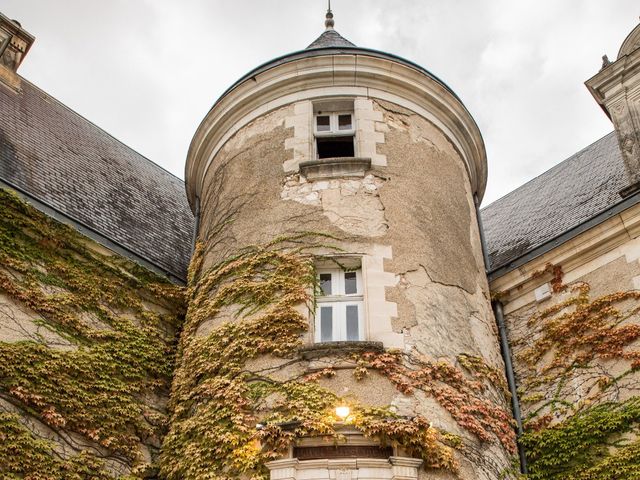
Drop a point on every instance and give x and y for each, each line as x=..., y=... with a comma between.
x=339, y=301
x=334, y=130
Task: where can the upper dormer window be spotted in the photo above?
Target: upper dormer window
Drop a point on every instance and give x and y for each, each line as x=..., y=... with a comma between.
x=335, y=124
x=334, y=129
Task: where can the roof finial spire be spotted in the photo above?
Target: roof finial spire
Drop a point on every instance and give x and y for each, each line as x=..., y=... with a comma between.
x=329, y=23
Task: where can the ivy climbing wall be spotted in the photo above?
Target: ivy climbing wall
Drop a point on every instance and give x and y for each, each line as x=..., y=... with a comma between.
x=90, y=344
x=87, y=347
x=577, y=354
x=250, y=384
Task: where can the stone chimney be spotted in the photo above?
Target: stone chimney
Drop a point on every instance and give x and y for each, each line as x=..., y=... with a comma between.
x=617, y=89
x=14, y=45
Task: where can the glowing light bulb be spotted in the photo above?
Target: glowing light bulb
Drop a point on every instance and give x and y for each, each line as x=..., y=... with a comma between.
x=343, y=411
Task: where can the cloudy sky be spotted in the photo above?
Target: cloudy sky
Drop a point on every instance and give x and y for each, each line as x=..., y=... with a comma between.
x=147, y=71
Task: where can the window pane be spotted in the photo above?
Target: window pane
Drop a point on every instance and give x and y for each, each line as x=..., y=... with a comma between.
x=344, y=122
x=353, y=332
x=325, y=283
x=323, y=123
x=326, y=324
x=350, y=283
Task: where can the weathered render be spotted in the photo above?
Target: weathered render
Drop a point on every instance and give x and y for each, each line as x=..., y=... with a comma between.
x=426, y=378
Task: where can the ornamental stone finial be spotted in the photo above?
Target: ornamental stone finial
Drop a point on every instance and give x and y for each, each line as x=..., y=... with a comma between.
x=329, y=23
x=15, y=42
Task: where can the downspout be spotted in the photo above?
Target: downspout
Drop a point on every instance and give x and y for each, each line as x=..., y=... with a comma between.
x=511, y=381
x=196, y=226
x=483, y=241
x=505, y=349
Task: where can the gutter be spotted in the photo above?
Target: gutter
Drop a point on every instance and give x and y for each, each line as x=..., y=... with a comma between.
x=566, y=236
x=483, y=240
x=89, y=232
x=498, y=307
x=545, y=247
x=196, y=226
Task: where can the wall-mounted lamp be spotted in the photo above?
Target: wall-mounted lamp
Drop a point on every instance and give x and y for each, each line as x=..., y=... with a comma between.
x=343, y=412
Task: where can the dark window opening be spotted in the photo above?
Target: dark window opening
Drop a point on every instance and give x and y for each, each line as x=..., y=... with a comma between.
x=335, y=147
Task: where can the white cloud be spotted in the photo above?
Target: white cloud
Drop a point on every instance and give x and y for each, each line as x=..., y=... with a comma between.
x=147, y=71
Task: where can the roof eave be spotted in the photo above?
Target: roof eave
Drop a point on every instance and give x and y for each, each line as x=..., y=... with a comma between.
x=564, y=237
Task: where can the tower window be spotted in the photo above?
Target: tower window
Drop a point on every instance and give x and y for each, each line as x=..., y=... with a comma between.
x=335, y=133
x=339, y=306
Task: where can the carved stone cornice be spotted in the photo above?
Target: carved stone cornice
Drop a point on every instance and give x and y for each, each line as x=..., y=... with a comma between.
x=349, y=73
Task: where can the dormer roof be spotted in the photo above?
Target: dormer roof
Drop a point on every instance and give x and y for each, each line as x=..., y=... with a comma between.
x=631, y=43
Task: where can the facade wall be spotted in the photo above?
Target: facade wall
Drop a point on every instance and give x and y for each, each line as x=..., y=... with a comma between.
x=430, y=363
x=87, y=340
x=573, y=323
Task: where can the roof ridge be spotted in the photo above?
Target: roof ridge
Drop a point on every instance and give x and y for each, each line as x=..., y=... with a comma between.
x=49, y=96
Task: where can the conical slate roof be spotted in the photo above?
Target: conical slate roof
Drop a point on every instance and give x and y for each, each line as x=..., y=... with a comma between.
x=330, y=38
x=330, y=42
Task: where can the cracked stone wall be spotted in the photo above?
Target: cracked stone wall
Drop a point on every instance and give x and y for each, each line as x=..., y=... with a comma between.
x=412, y=221
x=353, y=205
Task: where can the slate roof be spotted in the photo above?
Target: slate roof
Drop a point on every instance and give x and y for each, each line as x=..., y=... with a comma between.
x=328, y=39
x=574, y=191
x=61, y=159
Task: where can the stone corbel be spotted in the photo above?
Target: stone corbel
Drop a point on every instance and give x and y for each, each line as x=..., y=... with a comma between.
x=405, y=468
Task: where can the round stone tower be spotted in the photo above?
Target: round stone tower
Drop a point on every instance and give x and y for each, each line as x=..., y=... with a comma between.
x=339, y=322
